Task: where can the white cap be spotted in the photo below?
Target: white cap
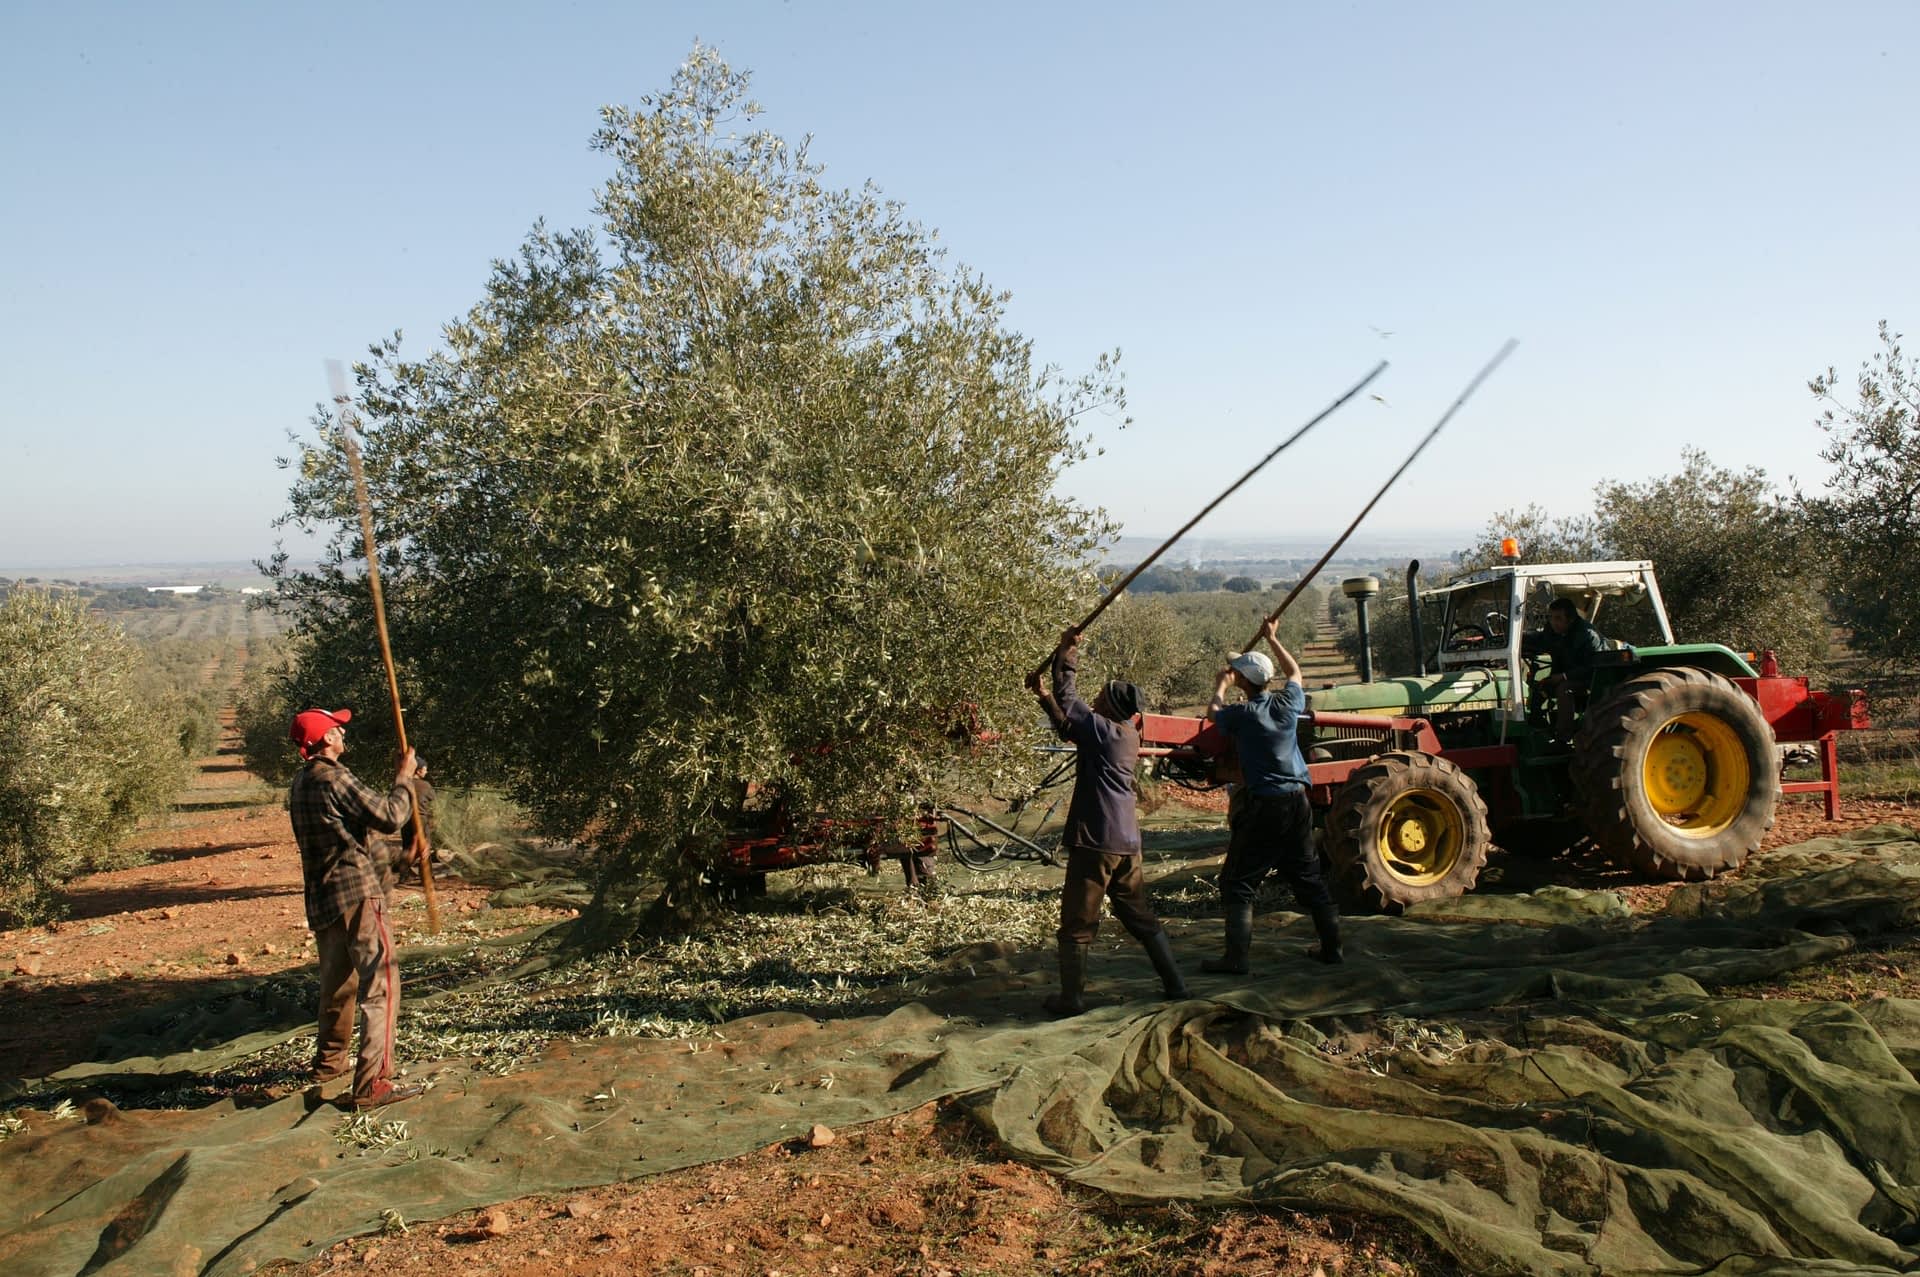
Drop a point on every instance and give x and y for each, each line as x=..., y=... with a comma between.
x=1255, y=667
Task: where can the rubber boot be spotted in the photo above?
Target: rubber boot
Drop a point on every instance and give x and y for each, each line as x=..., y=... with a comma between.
x=1239, y=941
x=1071, y=1000
x=1160, y=949
x=1326, y=921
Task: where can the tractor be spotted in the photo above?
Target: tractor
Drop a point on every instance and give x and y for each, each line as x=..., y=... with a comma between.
x=1672, y=769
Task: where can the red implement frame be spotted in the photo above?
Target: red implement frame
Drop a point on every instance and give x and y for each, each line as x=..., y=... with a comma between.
x=1795, y=712
x=1798, y=714
x=784, y=845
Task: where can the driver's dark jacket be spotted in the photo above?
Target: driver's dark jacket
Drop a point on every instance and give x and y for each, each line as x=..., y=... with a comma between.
x=1572, y=653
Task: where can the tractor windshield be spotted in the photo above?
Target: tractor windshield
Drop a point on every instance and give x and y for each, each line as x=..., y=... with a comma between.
x=1475, y=625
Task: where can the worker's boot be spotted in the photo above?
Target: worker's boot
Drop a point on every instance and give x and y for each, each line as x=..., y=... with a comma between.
x=1160, y=949
x=1326, y=921
x=1072, y=998
x=1239, y=941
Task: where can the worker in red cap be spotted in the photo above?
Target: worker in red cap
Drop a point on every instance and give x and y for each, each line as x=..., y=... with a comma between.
x=334, y=816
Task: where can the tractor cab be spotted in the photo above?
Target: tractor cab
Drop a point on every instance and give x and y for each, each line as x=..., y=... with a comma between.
x=1485, y=615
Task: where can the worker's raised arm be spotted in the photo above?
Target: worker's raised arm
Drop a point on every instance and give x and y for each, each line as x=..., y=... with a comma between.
x=1282, y=658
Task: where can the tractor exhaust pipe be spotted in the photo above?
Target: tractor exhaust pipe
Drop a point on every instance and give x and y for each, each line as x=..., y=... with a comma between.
x=1361, y=590
x=1413, y=617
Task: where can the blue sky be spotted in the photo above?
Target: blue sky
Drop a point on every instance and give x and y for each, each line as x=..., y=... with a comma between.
x=1682, y=210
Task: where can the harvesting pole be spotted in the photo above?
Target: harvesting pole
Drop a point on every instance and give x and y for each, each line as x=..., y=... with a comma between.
x=1234, y=487
x=420, y=846
x=1393, y=478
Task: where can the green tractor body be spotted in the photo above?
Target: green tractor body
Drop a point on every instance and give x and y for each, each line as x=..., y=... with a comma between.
x=1670, y=766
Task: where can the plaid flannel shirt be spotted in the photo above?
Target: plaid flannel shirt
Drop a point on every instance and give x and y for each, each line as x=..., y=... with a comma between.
x=332, y=814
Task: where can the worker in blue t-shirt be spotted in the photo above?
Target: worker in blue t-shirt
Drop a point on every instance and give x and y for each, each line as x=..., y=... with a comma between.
x=1270, y=820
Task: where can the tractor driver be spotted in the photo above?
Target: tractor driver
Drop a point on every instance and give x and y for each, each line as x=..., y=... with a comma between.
x=1570, y=643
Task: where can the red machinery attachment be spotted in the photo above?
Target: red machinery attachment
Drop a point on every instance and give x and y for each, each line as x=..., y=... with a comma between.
x=1799, y=714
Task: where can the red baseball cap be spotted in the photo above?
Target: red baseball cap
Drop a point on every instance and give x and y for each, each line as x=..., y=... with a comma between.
x=310, y=726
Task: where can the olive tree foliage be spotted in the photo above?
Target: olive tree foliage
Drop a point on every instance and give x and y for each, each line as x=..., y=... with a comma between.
x=1142, y=640
x=270, y=694
x=1733, y=563
x=1732, y=558
x=1219, y=623
x=84, y=753
x=745, y=485
x=1868, y=521
x=1540, y=538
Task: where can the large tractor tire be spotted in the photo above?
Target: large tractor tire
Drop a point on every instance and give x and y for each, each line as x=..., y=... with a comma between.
x=1406, y=827
x=1677, y=772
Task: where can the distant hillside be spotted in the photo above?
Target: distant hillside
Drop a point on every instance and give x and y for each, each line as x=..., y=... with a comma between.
x=1277, y=555
x=230, y=574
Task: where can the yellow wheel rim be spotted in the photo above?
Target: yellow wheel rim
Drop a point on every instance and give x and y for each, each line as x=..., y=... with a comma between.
x=1421, y=837
x=1696, y=774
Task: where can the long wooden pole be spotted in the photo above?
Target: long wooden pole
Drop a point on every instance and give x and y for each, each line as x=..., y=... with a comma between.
x=1188, y=526
x=421, y=846
x=1393, y=478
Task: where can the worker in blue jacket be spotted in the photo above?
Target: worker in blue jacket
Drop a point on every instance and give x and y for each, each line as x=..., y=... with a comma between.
x=1102, y=836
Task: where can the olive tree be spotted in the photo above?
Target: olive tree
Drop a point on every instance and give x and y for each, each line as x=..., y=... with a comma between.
x=744, y=485
x=1538, y=536
x=278, y=684
x=1219, y=623
x=1868, y=522
x=1142, y=640
x=84, y=753
x=1733, y=563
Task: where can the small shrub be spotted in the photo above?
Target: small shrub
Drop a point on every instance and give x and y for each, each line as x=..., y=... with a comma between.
x=264, y=708
x=84, y=754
